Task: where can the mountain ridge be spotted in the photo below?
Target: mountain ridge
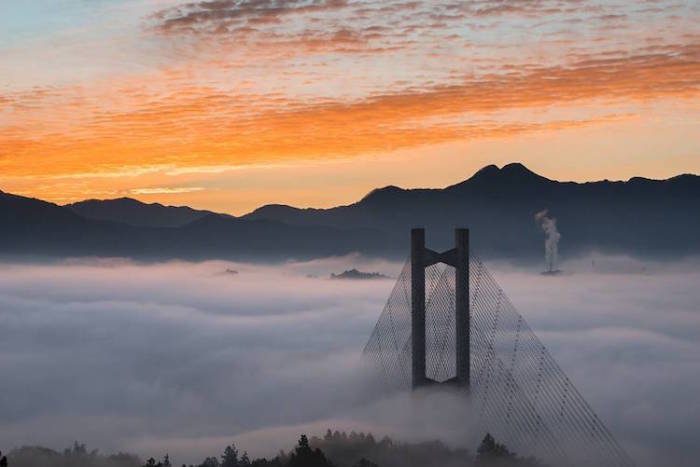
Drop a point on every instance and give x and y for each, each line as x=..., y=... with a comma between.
x=485, y=173
x=639, y=216
x=134, y=212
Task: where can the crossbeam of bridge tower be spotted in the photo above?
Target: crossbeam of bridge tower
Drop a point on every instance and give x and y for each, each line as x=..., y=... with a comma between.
x=421, y=258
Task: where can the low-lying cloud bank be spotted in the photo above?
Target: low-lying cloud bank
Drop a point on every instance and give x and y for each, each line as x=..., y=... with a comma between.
x=186, y=358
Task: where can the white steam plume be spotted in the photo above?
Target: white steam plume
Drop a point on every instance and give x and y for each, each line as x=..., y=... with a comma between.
x=551, y=242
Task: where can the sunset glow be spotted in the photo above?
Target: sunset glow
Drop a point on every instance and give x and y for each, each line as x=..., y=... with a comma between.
x=228, y=105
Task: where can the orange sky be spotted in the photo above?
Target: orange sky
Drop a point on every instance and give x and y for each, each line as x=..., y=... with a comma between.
x=316, y=102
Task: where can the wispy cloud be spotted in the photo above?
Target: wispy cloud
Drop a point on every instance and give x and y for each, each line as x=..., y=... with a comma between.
x=202, y=126
x=165, y=190
x=232, y=83
x=224, y=16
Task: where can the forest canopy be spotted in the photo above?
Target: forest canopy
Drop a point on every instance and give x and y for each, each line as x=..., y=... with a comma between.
x=334, y=449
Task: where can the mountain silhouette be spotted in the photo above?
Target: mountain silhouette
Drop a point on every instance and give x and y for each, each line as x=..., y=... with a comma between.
x=640, y=216
x=133, y=212
x=32, y=228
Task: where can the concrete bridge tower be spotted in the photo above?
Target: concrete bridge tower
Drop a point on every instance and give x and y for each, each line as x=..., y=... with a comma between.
x=421, y=258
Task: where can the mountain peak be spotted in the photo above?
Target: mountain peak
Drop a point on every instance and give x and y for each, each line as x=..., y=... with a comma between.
x=382, y=192
x=510, y=175
x=518, y=168
x=488, y=171
x=126, y=199
x=272, y=209
x=513, y=169
x=107, y=201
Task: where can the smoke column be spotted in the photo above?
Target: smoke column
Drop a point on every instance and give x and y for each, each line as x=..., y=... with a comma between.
x=551, y=242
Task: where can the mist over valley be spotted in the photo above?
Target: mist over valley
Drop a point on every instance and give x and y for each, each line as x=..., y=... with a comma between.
x=184, y=358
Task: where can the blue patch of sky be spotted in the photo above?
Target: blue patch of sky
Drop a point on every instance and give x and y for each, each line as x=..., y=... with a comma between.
x=33, y=20
x=29, y=20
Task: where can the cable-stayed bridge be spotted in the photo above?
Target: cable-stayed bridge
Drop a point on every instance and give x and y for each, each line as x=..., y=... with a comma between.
x=447, y=322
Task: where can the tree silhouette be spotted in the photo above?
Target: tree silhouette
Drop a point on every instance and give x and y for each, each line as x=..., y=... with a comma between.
x=230, y=456
x=355, y=449
x=492, y=453
x=78, y=449
x=210, y=462
x=304, y=456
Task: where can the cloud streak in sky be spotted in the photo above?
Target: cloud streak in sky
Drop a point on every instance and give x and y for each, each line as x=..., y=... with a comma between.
x=203, y=126
x=218, y=16
x=263, y=82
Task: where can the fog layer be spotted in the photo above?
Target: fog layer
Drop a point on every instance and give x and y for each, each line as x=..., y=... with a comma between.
x=186, y=358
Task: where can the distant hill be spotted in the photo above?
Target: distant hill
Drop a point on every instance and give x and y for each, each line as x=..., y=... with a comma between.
x=640, y=216
x=354, y=274
x=134, y=212
x=31, y=227
x=37, y=229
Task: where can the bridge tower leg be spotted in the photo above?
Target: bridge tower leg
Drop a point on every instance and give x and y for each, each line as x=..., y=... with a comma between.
x=462, y=318
x=458, y=257
x=418, y=308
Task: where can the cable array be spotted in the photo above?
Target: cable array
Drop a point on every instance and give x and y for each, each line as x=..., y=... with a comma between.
x=519, y=393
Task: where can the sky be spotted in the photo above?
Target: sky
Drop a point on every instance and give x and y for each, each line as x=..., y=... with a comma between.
x=204, y=358
x=231, y=104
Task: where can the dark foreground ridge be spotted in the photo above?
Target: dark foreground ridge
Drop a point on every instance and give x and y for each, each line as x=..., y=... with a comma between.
x=640, y=216
x=335, y=449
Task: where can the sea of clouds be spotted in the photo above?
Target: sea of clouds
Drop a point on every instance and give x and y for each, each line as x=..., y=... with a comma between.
x=186, y=357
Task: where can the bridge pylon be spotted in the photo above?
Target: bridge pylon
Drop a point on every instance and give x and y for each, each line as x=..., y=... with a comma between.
x=448, y=321
x=458, y=258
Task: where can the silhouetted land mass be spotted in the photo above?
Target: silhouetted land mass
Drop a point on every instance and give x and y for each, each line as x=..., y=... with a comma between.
x=335, y=449
x=33, y=228
x=133, y=212
x=75, y=456
x=556, y=272
x=493, y=454
x=640, y=216
x=355, y=274
x=358, y=449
